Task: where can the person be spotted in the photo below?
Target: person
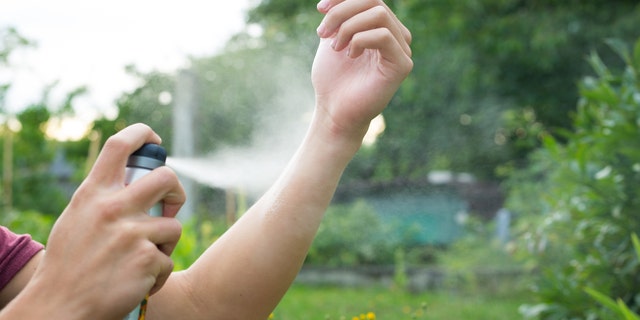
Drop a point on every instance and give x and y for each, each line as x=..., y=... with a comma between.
x=104, y=254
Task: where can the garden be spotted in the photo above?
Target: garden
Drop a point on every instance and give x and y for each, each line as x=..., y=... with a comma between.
x=533, y=109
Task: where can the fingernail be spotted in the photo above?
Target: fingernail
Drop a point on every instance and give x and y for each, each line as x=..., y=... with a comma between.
x=323, y=5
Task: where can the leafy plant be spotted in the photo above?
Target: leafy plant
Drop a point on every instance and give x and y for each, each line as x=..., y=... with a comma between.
x=351, y=235
x=618, y=305
x=589, y=194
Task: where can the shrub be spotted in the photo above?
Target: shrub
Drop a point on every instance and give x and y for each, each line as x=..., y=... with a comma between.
x=618, y=306
x=590, y=198
x=353, y=234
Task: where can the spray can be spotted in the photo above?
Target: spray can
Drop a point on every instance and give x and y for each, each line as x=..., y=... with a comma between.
x=140, y=163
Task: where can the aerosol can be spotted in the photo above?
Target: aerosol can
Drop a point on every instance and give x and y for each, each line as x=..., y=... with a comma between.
x=140, y=163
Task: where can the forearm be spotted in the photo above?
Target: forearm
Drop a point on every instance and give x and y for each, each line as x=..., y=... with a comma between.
x=362, y=58
x=40, y=300
x=256, y=260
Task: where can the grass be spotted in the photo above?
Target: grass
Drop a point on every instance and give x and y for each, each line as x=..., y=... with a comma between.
x=330, y=303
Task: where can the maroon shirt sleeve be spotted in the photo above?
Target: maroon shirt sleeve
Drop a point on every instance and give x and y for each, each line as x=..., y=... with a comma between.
x=15, y=252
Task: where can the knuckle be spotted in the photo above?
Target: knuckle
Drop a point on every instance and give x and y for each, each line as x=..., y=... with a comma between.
x=117, y=144
x=169, y=265
x=175, y=229
x=169, y=179
x=147, y=253
x=123, y=238
x=107, y=210
x=166, y=176
x=380, y=12
x=407, y=35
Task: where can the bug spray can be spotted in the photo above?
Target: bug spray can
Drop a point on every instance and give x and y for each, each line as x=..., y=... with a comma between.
x=140, y=163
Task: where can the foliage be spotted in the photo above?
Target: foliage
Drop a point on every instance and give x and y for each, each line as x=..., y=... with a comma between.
x=478, y=252
x=32, y=156
x=618, y=306
x=29, y=184
x=144, y=104
x=588, y=189
x=533, y=50
x=36, y=224
x=11, y=40
x=353, y=235
x=196, y=237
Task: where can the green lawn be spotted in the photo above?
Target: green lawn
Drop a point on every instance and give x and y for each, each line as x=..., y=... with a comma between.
x=324, y=303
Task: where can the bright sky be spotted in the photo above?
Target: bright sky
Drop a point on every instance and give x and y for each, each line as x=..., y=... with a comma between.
x=88, y=43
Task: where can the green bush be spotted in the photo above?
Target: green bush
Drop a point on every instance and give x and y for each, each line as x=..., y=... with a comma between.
x=479, y=263
x=588, y=194
x=353, y=234
x=618, y=306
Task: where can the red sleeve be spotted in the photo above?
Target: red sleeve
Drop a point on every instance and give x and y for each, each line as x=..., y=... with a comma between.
x=15, y=252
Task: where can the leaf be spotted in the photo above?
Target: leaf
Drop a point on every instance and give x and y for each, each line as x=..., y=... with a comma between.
x=636, y=244
x=620, y=47
x=603, y=299
x=628, y=314
x=636, y=55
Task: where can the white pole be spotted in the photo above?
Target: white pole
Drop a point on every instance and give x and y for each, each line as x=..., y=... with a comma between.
x=183, y=144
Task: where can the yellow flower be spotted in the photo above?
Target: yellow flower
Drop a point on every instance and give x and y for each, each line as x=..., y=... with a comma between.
x=371, y=316
x=355, y=318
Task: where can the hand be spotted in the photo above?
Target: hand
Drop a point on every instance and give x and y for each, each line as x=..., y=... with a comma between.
x=362, y=58
x=105, y=253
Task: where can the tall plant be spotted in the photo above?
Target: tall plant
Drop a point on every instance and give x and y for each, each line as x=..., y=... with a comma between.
x=590, y=199
x=618, y=306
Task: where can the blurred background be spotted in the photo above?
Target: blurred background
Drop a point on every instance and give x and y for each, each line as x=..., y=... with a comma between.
x=500, y=183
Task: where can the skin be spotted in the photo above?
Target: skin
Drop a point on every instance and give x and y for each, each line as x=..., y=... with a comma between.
x=105, y=238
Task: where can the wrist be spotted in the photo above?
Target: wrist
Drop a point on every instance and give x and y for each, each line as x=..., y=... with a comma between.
x=43, y=302
x=345, y=136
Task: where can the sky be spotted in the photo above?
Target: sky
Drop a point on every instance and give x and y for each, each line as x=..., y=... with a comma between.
x=86, y=43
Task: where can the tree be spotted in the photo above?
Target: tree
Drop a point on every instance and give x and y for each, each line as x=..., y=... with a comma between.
x=34, y=183
x=535, y=50
x=28, y=182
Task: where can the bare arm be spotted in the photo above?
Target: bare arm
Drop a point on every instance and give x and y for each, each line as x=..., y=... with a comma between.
x=20, y=280
x=363, y=57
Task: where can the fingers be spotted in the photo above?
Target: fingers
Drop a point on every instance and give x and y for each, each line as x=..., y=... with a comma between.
x=159, y=186
x=383, y=41
x=161, y=237
x=166, y=269
x=158, y=267
x=347, y=18
x=163, y=232
x=109, y=167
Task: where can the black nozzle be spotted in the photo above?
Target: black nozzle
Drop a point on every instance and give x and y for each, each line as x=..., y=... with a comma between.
x=149, y=156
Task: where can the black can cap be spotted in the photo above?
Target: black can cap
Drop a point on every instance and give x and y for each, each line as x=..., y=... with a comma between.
x=149, y=156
